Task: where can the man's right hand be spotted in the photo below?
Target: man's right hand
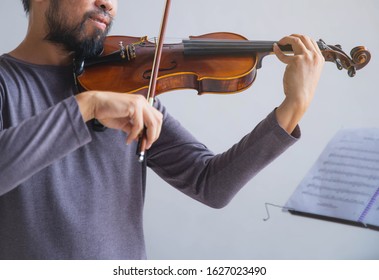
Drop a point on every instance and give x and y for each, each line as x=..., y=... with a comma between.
x=127, y=112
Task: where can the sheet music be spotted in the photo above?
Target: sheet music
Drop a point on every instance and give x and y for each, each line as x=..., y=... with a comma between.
x=344, y=181
x=372, y=217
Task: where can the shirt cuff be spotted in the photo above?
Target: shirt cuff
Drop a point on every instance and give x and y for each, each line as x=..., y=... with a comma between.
x=296, y=133
x=78, y=125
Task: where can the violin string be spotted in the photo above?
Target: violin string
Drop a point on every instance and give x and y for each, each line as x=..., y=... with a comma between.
x=227, y=46
x=166, y=40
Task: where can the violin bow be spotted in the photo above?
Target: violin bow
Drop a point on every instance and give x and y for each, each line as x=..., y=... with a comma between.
x=141, y=149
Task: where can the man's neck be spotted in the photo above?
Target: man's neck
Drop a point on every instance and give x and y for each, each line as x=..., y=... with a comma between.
x=39, y=51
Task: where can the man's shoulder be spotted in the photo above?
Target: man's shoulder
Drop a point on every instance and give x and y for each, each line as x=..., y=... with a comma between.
x=6, y=64
x=3, y=61
x=5, y=58
x=3, y=67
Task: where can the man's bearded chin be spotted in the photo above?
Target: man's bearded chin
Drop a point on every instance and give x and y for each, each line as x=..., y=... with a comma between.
x=73, y=38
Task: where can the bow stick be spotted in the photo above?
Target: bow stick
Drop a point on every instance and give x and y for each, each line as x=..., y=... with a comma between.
x=141, y=149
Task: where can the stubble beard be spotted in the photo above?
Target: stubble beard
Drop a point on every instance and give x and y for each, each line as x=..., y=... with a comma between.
x=72, y=37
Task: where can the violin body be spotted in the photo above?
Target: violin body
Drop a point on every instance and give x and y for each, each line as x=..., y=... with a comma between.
x=212, y=63
x=217, y=73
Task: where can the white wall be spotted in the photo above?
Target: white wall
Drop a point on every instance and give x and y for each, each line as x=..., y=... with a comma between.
x=177, y=227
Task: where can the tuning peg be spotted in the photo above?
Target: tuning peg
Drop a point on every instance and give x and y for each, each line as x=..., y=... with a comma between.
x=351, y=71
x=322, y=45
x=339, y=64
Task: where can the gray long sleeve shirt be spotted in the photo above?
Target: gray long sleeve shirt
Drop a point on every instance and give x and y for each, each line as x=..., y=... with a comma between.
x=67, y=192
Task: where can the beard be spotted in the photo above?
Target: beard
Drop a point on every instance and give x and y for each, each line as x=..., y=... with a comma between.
x=73, y=37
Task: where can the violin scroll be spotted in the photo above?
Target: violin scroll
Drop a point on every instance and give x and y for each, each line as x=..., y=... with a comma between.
x=360, y=57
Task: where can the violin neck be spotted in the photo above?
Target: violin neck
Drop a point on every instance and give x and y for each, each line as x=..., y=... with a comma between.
x=222, y=47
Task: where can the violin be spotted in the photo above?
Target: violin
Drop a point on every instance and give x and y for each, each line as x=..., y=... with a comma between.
x=219, y=62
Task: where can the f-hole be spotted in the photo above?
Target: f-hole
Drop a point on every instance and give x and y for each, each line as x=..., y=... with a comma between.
x=147, y=74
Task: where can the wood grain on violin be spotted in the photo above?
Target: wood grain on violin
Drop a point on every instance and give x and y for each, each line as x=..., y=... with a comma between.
x=212, y=63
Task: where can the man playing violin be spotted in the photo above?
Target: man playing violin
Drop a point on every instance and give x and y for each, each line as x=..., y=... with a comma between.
x=68, y=192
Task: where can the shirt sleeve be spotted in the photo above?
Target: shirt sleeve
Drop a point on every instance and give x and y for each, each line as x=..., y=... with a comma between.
x=214, y=180
x=39, y=141
x=1, y=107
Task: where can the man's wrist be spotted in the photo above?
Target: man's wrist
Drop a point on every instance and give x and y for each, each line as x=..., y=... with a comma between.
x=289, y=113
x=86, y=106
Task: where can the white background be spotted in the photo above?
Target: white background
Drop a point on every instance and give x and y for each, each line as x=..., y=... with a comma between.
x=177, y=227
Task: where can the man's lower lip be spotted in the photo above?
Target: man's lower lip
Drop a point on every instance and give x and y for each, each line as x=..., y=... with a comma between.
x=100, y=25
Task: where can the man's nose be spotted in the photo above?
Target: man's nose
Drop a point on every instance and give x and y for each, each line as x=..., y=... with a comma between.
x=105, y=5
